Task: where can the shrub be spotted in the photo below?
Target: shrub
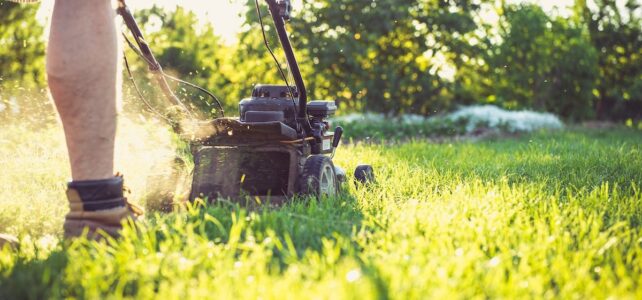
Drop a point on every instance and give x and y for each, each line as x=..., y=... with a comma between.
x=465, y=121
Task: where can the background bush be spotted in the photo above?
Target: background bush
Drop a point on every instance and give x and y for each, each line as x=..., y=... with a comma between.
x=391, y=56
x=467, y=121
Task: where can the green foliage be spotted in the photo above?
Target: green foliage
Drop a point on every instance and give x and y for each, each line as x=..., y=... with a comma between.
x=543, y=216
x=616, y=32
x=383, y=55
x=21, y=47
x=22, y=63
x=395, y=57
x=250, y=63
x=543, y=63
x=398, y=130
x=188, y=49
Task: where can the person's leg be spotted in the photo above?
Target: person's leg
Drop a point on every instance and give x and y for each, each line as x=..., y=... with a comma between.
x=82, y=58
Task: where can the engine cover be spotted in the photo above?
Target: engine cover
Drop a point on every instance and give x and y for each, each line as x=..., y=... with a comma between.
x=270, y=103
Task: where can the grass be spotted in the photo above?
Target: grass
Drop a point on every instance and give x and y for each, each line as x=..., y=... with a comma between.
x=546, y=215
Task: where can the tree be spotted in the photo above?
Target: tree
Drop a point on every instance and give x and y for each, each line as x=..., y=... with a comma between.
x=616, y=32
x=543, y=63
x=385, y=56
x=250, y=63
x=379, y=56
x=188, y=50
x=22, y=63
x=21, y=46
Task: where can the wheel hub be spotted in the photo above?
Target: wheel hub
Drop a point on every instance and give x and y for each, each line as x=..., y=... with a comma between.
x=327, y=185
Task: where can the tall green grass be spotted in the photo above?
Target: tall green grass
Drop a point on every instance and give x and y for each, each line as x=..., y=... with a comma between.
x=546, y=215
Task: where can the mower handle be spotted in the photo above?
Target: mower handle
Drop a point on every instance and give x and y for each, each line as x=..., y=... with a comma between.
x=280, y=11
x=154, y=67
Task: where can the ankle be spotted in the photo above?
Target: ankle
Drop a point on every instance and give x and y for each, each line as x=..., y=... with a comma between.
x=93, y=195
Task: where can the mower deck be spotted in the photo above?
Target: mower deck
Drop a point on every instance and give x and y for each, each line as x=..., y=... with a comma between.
x=257, y=160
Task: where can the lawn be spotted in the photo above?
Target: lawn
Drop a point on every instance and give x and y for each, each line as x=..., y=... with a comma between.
x=545, y=215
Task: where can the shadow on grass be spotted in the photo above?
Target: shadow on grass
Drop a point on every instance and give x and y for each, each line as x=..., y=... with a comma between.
x=302, y=225
x=304, y=222
x=34, y=278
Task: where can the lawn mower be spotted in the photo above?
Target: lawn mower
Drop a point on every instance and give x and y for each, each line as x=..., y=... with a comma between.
x=280, y=146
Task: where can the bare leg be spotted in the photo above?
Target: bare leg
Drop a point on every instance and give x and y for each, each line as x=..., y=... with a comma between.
x=82, y=59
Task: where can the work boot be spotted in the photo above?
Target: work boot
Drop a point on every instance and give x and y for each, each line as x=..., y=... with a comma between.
x=9, y=240
x=98, y=206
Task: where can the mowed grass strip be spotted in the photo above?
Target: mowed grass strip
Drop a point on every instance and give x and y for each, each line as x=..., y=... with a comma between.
x=547, y=215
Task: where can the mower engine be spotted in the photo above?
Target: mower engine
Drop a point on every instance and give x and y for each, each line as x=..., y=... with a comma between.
x=280, y=146
x=264, y=152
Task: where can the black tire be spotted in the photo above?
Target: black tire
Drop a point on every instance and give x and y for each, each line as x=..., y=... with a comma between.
x=318, y=177
x=364, y=174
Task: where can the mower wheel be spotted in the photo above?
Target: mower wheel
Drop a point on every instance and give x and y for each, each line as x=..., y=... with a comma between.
x=318, y=177
x=364, y=174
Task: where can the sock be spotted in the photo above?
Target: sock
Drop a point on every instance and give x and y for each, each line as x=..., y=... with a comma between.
x=99, y=194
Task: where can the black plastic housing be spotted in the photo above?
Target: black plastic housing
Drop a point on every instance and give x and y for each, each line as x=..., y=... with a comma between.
x=321, y=109
x=269, y=103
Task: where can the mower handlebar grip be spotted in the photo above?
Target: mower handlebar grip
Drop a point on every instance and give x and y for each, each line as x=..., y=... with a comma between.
x=338, y=132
